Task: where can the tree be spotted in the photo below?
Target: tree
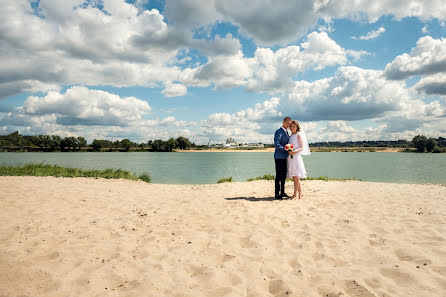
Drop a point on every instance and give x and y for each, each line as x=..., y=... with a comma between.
x=116, y=144
x=81, y=142
x=14, y=139
x=37, y=140
x=158, y=146
x=126, y=144
x=183, y=143
x=431, y=143
x=97, y=145
x=171, y=144
x=419, y=142
x=44, y=141
x=69, y=142
x=55, y=142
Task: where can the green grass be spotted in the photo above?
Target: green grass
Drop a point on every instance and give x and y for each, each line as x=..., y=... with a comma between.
x=225, y=180
x=145, y=177
x=58, y=171
x=325, y=178
x=265, y=177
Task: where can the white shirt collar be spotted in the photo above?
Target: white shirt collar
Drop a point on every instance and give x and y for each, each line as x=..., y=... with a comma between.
x=284, y=130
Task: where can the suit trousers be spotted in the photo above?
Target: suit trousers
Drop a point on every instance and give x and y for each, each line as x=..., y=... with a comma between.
x=281, y=171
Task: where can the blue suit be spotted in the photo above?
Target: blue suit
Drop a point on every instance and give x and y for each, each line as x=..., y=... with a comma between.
x=281, y=139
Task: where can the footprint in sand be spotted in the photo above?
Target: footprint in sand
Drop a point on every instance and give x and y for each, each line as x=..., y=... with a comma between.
x=398, y=277
x=353, y=289
x=405, y=256
x=318, y=245
x=373, y=283
x=278, y=287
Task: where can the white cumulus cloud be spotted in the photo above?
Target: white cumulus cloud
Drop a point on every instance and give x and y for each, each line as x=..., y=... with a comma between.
x=174, y=90
x=372, y=34
x=288, y=20
x=428, y=57
x=83, y=106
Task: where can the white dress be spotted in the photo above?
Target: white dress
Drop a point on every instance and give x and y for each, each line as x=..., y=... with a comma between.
x=296, y=165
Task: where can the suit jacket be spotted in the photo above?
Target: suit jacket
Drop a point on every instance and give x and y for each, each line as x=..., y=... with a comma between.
x=281, y=139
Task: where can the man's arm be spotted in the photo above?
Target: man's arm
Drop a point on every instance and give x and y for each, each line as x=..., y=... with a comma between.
x=277, y=137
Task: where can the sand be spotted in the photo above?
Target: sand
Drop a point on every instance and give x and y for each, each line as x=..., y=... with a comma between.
x=88, y=237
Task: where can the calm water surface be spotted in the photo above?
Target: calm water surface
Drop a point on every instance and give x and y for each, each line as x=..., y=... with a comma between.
x=208, y=167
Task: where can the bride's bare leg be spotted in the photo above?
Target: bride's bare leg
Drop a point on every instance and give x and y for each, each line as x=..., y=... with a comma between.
x=299, y=187
x=296, y=181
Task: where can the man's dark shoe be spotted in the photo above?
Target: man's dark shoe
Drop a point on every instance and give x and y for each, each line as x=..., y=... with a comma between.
x=284, y=195
x=279, y=197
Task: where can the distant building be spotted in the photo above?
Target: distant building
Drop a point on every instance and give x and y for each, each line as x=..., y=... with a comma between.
x=252, y=145
x=215, y=144
x=230, y=142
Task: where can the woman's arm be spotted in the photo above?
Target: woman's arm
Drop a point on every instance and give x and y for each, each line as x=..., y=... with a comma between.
x=300, y=149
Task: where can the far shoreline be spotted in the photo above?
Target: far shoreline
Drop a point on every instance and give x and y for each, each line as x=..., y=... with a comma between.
x=313, y=149
x=357, y=149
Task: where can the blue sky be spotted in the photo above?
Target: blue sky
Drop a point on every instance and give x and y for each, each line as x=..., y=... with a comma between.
x=211, y=70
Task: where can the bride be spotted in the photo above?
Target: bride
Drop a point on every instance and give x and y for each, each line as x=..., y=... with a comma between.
x=296, y=167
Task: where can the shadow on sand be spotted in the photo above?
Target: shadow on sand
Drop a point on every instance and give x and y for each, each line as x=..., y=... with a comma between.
x=253, y=199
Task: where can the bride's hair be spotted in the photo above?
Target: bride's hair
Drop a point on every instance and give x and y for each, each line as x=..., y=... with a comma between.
x=294, y=122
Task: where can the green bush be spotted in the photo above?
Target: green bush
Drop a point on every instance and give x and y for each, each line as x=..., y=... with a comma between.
x=145, y=177
x=325, y=178
x=265, y=177
x=225, y=180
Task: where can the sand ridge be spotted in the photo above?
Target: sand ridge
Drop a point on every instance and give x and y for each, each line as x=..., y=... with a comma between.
x=87, y=237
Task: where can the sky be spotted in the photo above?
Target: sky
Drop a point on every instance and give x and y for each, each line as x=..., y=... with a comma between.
x=209, y=70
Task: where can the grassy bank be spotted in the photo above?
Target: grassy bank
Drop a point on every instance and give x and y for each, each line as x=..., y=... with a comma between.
x=225, y=180
x=272, y=177
x=58, y=171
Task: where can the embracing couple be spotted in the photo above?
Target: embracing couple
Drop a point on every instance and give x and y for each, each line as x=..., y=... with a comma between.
x=289, y=148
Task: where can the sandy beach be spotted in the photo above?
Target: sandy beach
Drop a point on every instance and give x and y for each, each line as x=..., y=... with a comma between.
x=95, y=237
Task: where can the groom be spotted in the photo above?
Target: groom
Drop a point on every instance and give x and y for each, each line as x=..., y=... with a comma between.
x=280, y=157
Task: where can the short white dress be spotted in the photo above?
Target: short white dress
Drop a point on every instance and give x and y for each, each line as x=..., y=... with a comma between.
x=296, y=165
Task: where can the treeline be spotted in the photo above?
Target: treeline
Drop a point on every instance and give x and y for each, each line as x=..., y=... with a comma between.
x=16, y=141
x=157, y=145
x=420, y=142
x=52, y=143
x=431, y=145
x=364, y=143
